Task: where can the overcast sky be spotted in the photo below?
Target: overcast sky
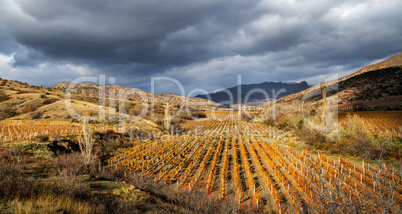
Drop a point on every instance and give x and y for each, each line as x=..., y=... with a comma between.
x=203, y=44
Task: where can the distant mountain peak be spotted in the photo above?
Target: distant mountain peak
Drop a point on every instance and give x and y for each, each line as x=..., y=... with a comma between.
x=256, y=93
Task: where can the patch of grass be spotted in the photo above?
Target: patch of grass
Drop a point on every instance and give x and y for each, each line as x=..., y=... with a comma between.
x=54, y=204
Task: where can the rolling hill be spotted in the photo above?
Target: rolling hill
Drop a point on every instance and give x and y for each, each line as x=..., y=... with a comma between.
x=21, y=101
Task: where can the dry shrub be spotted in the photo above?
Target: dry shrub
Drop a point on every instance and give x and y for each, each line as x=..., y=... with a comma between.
x=360, y=144
x=294, y=121
x=176, y=121
x=110, y=173
x=165, y=195
x=36, y=115
x=193, y=201
x=269, y=122
x=319, y=128
x=3, y=96
x=72, y=195
x=91, y=113
x=42, y=138
x=48, y=101
x=70, y=164
x=134, y=111
x=52, y=204
x=7, y=112
x=12, y=183
x=185, y=115
x=28, y=108
x=356, y=139
x=314, y=139
x=245, y=117
x=199, y=114
x=15, y=155
x=176, y=124
x=33, y=196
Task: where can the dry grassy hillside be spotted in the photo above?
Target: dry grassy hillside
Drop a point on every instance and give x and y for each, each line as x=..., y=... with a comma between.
x=377, y=81
x=137, y=95
x=21, y=101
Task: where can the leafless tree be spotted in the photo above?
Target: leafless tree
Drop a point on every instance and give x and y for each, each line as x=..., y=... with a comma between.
x=86, y=143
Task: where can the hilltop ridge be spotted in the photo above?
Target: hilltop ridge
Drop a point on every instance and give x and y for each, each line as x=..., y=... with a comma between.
x=375, y=82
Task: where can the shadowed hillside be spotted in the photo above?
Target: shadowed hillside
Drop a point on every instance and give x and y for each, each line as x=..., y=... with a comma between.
x=375, y=82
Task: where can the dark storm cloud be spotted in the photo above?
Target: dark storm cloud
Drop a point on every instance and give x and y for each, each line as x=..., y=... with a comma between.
x=201, y=43
x=117, y=32
x=7, y=42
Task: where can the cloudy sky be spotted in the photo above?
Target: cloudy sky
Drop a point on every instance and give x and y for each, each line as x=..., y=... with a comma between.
x=203, y=44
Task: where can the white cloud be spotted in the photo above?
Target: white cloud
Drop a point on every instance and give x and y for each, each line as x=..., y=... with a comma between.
x=45, y=73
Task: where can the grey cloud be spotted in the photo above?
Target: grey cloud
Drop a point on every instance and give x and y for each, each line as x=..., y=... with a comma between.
x=7, y=42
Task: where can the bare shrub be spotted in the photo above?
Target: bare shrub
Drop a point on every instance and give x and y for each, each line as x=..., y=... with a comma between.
x=12, y=183
x=110, y=173
x=7, y=112
x=357, y=139
x=314, y=139
x=176, y=124
x=134, y=111
x=86, y=143
x=36, y=115
x=48, y=101
x=42, y=138
x=193, y=201
x=295, y=121
x=70, y=164
x=28, y=108
x=199, y=114
x=245, y=117
x=15, y=155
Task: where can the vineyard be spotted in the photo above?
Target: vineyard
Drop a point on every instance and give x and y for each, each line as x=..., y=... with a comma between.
x=227, y=158
x=379, y=122
x=23, y=132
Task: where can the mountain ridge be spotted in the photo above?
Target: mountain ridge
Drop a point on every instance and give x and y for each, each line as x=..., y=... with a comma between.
x=256, y=93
